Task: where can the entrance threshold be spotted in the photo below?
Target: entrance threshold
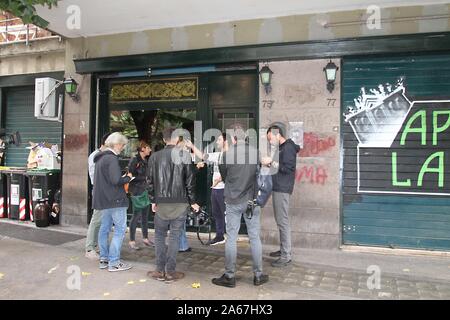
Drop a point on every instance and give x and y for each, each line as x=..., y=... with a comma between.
x=395, y=252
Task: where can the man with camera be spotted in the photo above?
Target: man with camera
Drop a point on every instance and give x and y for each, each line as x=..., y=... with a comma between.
x=238, y=169
x=171, y=185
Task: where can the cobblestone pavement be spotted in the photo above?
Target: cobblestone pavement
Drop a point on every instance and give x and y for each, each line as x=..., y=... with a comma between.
x=300, y=280
x=319, y=278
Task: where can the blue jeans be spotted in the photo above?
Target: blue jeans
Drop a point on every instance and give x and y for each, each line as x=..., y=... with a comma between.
x=111, y=252
x=184, y=245
x=233, y=224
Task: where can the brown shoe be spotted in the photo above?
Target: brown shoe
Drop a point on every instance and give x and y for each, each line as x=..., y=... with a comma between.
x=157, y=275
x=173, y=276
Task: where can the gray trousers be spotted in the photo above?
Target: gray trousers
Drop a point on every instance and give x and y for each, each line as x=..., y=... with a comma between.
x=281, y=212
x=166, y=256
x=233, y=224
x=92, y=233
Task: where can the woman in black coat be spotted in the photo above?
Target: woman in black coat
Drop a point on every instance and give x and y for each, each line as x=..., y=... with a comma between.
x=138, y=167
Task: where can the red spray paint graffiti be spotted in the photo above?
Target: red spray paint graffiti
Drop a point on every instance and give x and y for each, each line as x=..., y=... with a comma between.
x=312, y=174
x=314, y=145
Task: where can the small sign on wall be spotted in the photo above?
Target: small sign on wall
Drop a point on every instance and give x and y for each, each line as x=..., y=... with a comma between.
x=15, y=195
x=296, y=133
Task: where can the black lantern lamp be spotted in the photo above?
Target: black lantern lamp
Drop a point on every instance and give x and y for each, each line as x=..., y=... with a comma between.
x=330, y=73
x=266, y=78
x=71, y=88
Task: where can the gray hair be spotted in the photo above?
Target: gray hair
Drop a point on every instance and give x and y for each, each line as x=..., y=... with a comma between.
x=114, y=139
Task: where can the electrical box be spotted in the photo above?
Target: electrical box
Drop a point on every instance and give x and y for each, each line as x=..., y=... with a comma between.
x=45, y=98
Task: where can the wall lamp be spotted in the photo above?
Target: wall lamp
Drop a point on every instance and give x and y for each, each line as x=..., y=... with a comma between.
x=71, y=86
x=330, y=73
x=266, y=77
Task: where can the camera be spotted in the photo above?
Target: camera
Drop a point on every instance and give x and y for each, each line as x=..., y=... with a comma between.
x=251, y=204
x=198, y=219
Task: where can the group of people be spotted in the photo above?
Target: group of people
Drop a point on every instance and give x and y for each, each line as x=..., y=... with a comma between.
x=167, y=178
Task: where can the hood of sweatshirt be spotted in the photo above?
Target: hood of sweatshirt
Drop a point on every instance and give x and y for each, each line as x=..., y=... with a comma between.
x=101, y=154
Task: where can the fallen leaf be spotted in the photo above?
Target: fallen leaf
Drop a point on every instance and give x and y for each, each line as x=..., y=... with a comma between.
x=143, y=280
x=1, y=276
x=73, y=258
x=196, y=285
x=406, y=270
x=130, y=282
x=106, y=294
x=84, y=274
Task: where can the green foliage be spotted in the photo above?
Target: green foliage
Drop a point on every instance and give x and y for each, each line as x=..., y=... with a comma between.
x=25, y=10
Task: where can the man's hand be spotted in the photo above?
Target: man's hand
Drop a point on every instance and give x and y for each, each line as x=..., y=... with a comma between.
x=154, y=207
x=196, y=207
x=200, y=165
x=266, y=161
x=216, y=182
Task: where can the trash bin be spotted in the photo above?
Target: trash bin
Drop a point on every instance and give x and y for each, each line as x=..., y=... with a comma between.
x=17, y=194
x=3, y=196
x=42, y=183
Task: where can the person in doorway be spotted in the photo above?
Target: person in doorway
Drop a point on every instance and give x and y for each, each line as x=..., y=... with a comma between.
x=96, y=219
x=110, y=197
x=283, y=185
x=218, y=185
x=171, y=186
x=239, y=173
x=138, y=168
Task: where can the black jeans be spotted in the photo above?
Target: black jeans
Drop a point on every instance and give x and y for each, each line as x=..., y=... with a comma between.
x=218, y=210
x=143, y=214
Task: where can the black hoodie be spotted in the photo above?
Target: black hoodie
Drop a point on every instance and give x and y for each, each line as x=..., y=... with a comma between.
x=284, y=180
x=108, y=188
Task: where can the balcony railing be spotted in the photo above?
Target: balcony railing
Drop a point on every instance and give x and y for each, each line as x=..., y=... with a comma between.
x=13, y=30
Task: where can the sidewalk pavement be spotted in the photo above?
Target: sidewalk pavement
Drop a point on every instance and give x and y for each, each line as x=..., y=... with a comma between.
x=32, y=270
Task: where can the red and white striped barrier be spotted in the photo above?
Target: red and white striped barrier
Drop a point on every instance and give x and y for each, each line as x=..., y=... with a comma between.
x=22, y=209
x=31, y=211
x=2, y=209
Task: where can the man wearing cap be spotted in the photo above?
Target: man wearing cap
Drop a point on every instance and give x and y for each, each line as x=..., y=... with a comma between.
x=284, y=163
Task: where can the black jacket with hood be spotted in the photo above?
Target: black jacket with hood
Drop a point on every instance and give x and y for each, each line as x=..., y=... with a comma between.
x=108, y=190
x=171, y=177
x=284, y=179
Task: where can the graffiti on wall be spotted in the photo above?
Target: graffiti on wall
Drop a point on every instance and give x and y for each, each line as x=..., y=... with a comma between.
x=312, y=174
x=314, y=145
x=403, y=145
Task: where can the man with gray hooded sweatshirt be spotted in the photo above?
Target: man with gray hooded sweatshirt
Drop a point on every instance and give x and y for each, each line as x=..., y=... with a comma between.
x=109, y=196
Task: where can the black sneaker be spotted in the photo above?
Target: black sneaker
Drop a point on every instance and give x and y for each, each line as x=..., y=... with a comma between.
x=281, y=263
x=257, y=281
x=275, y=254
x=216, y=241
x=187, y=250
x=224, y=281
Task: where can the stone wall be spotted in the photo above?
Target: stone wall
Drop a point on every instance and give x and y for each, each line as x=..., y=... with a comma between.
x=299, y=94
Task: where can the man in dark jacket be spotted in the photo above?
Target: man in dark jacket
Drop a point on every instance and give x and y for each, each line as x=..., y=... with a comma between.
x=171, y=185
x=109, y=196
x=284, y=163
x=238, y=171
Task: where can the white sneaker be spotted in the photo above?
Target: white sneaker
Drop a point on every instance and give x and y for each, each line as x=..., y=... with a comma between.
x=92, y=255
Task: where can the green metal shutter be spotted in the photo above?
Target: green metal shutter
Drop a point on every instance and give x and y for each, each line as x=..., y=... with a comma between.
x=20, y=117
x=396, y=219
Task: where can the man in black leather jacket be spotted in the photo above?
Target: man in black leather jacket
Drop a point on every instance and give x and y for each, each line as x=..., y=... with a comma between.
x=171, y=185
